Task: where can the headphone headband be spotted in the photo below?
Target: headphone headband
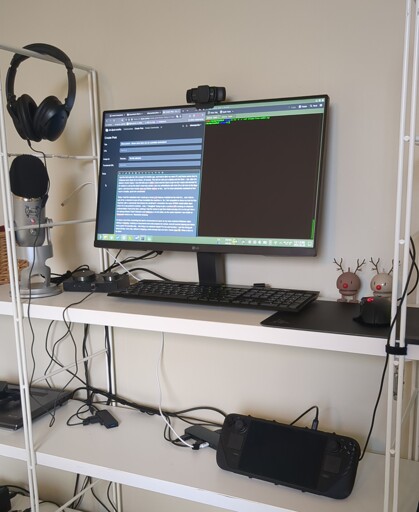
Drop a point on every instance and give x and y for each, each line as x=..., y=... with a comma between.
x=45, y=49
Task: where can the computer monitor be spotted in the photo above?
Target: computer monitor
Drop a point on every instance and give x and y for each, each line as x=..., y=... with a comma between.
x=241, y=177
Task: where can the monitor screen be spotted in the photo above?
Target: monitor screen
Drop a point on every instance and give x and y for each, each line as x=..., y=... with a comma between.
x=241, y=177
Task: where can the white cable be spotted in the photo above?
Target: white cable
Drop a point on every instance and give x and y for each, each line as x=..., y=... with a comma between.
x=115, y=259
x=67, y=199
x=159, y=362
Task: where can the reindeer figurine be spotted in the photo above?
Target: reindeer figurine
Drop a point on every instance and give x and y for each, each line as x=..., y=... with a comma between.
x=348, y=283
x=382, y=283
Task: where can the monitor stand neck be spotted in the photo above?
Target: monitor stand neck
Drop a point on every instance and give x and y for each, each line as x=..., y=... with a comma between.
x=210, y=268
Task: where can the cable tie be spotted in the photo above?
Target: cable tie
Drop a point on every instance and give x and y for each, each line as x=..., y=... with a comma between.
x=397, y=350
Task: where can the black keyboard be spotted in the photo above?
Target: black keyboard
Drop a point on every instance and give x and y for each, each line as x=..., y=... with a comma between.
x=256, y=297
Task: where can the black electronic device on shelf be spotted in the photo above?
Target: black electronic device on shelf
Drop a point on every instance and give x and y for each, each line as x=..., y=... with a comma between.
x=305, y=459
x=89, y=281
x=42, y=401
x=239, y=177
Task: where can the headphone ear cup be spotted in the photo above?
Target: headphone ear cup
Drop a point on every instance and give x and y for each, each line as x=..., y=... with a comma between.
x=50, y=119
x=25, y=112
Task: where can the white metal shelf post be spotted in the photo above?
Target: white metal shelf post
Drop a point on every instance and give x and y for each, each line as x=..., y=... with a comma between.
x=12, y=256
x=405, y=172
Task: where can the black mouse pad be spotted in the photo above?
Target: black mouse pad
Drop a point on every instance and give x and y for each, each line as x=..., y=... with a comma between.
x=338, y=317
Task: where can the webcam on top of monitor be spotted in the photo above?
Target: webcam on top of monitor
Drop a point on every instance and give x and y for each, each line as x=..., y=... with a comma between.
x=205, y=96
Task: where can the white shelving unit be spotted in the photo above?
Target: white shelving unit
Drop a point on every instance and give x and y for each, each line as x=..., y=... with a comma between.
x=384, y=482
x=223, y=323
x=17, y=310
x=136, y=460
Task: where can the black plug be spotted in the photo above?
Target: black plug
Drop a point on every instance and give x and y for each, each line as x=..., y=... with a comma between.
x=200, y=444
x=5, y=504
x=90, y=420
x=103, y=417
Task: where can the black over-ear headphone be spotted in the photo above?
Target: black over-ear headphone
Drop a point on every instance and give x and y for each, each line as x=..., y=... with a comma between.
x=49, y=119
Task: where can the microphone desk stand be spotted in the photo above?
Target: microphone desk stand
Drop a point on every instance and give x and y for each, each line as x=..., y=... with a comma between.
x=36, y=256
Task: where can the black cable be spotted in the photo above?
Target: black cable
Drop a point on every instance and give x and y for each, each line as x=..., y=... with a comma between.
x=109, y=497
x=97, y=498
x=109, y=360
x=137, y=269
x=179, y=414
x=72, y=505
x=67, y=333
x=316, y=418
x=78, y=501
x=32, y=344
x=59, y=278
x=47, y=351
x=85, y=354
x=131, y=259
x=87, y=481
x=117, y=399
x=56, y=361
x=380, y=391
x=52, y=353
x=74, y=375
x=153, y=411
x=83, y=409
x=147, y=256
x=412, y=253
x=19, y=490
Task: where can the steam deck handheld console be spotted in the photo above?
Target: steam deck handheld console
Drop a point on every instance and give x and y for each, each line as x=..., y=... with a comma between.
x=88, y=281
x=312, y=461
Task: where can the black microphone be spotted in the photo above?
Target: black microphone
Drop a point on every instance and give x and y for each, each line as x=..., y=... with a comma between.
x=29, y=183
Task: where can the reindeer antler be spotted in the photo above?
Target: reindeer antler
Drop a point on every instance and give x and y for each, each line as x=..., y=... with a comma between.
x=339, y=264
x=392, y=265
x=375, y=265
x=359, y=265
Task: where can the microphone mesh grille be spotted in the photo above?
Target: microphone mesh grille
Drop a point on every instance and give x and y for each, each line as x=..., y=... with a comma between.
x=28, y=177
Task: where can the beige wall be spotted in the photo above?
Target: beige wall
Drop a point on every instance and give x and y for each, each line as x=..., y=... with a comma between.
x=149, y=53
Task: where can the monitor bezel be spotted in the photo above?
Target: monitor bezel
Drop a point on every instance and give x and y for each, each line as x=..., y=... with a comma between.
x=144, y=245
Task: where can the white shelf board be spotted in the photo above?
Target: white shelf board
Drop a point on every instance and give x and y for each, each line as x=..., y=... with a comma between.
x=217, y=322
x=136, y=454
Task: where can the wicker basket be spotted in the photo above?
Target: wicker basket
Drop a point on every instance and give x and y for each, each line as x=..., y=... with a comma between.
x=4, y=267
